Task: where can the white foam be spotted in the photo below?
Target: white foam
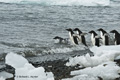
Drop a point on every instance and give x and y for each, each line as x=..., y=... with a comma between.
x=65, y=49
x=26, y=71
x=62, y=2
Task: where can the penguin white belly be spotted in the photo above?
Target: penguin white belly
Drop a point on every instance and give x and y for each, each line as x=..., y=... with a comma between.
x=80, y=39
x=103, y=37
x=103, y=40
x=71, y=38
x=115, y=43
x=93, y=39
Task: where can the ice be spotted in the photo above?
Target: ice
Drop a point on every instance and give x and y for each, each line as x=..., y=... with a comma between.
x=1, y=78
x=82, y=77
x=107, y=71
x=4, y=75
x=62, y=2
x=102, y=49
x=101, y=54
x=100, y=65
x=26, y=71
x=12, y=59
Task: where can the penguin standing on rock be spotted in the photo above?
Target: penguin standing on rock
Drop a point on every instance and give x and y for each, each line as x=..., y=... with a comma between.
x=81, y=36
x=117, y=37
x=73, y=38
x=94, y=38
x=104, y=35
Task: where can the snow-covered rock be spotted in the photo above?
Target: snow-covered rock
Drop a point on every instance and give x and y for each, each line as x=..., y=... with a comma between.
x=26, y=71
x=100, y=65
x=4, y=75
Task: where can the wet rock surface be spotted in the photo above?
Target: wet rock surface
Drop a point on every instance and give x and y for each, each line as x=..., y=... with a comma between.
x=54, y=63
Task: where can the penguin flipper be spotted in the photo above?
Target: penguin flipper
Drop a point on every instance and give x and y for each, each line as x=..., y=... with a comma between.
x=75, y=40
x=84, y=41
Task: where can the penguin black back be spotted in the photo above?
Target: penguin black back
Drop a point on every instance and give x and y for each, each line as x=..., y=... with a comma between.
x=82, y=36
x=72, y=37
x=97, y=42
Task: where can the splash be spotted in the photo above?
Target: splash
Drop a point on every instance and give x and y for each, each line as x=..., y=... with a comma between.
x=62, y=2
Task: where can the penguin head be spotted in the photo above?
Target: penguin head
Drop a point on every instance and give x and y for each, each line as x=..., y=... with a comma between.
x=77, y=30
x=70, y=30
x=57, y=37
x=93, y=32
x=102, y=30
x=114, y=31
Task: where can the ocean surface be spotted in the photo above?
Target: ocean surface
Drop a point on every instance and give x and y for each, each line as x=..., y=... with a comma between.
x=29, y=28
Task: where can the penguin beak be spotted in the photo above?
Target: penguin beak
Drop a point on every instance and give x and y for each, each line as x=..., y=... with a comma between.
x=98, y=29
x=111, y=31
x=89, y=32
x=67, y=29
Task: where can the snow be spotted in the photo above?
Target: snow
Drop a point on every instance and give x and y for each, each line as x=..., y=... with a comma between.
x=107, y=71
x=100, y=65
x=82, y=77
x=26, y=71
x=4, y=75
x=1, y=78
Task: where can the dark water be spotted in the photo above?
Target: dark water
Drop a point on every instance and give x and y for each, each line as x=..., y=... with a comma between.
x=29, y=28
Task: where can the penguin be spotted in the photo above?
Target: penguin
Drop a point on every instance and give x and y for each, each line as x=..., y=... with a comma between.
x=104, y=35
x=94, y=38
x=60, y=39
x=81, y=36
x=117, y=37
x=73, y=38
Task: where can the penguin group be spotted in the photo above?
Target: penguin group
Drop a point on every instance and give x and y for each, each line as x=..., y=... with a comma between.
x=76, y=36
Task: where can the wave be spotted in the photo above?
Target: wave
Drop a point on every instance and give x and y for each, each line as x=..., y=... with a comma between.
x=61, y=2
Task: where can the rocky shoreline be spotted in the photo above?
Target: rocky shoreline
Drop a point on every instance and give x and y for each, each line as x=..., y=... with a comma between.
x=54, y=63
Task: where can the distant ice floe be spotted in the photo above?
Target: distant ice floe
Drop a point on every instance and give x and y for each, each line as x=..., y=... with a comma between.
x=62, y=2
x=100, y=65
x=26, y=71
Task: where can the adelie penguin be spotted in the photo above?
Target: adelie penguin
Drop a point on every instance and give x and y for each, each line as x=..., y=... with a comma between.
x=116, y=36
x=81, y=36
x=94, y=38
x=60, y=39
x=104, y=35
x=72, y=36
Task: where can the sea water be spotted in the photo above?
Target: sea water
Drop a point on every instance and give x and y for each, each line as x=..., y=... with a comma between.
x=29, y=26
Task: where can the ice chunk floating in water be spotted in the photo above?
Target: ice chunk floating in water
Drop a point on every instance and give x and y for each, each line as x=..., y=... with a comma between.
x=62, y=2
x=25, y=70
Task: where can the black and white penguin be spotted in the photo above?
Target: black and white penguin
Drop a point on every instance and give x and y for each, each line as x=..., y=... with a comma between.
x=104, y=35
x=94, y=38
x=61, y=40
x=73, y=38
x=116, y=36
x=81, y=36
